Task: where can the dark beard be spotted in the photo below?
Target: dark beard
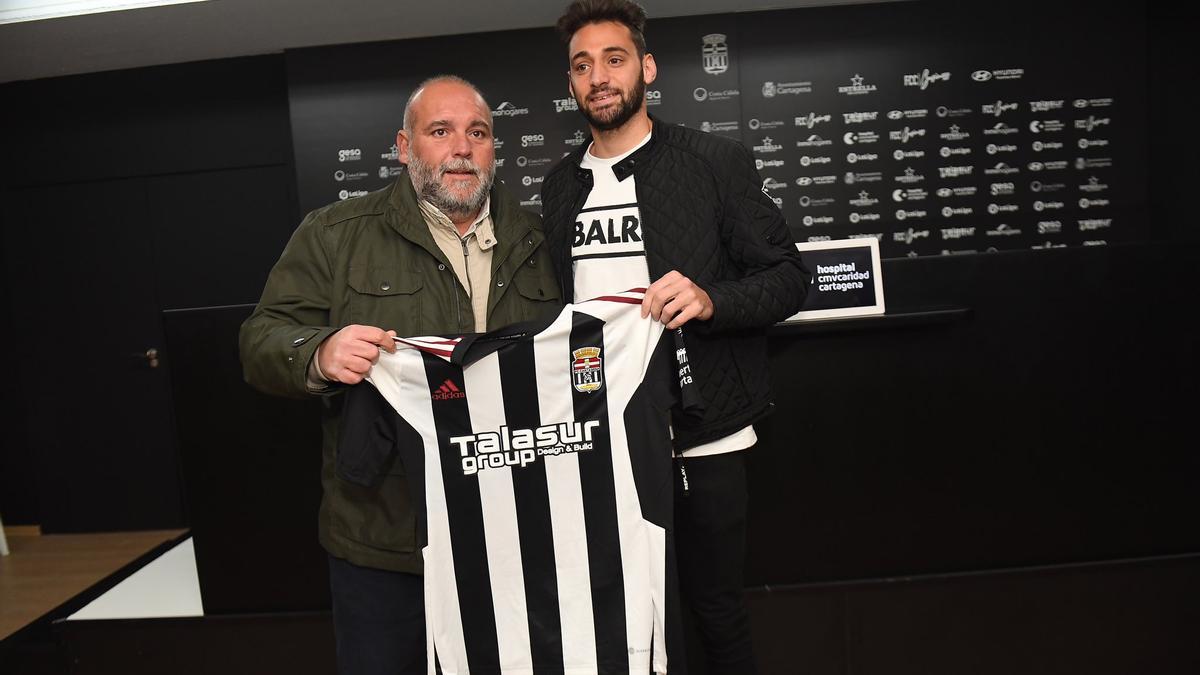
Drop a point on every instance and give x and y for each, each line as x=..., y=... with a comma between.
x=630, y=104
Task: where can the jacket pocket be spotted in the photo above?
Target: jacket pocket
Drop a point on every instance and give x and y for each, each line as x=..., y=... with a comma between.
x=385, y=298
x=532, y=285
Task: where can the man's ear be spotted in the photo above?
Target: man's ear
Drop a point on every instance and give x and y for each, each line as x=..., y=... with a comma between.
x=402, y=146
x=649, y=68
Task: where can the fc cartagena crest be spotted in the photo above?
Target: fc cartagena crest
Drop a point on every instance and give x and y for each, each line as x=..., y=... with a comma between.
x=715, y=53
x=586, y=372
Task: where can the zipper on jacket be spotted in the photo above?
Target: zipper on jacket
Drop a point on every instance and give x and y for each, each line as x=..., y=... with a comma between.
x=470, y=286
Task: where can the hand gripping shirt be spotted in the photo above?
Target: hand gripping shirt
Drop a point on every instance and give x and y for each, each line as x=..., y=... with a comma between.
x=540, y=460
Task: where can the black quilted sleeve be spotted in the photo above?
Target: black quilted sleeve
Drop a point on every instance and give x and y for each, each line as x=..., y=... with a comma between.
x=756, y=237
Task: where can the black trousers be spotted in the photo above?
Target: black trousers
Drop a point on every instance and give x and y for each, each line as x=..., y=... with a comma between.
x=710, y=539
x=378, y=620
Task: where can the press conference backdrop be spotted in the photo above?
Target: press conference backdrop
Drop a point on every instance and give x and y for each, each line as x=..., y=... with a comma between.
x=936, y=130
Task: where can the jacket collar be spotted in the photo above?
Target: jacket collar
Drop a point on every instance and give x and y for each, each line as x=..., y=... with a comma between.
x=626, y=166
x=405, y=217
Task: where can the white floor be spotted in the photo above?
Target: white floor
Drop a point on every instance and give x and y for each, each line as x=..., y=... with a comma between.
x=166, y=587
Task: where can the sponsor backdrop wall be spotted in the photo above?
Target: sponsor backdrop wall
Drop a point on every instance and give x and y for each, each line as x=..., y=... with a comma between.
x=934, y=130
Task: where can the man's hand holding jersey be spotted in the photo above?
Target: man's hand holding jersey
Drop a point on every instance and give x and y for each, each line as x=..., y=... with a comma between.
x=347, y=355
x=675, y=298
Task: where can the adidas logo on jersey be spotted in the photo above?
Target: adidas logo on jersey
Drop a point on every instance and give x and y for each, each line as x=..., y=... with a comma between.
x=447, y=391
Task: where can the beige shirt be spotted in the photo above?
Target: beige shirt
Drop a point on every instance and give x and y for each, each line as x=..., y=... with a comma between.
x=470, y=257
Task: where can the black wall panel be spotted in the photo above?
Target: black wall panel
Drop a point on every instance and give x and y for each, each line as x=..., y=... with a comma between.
x=126, y=193
x=161, y=120
x=1043, y=429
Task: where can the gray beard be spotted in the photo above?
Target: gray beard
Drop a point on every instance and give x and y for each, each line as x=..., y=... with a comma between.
x=427, y=182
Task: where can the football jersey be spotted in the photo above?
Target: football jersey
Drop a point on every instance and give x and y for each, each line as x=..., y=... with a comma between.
x=540, y=463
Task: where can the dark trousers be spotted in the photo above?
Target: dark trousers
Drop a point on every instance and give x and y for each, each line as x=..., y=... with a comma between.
x=378, y=620
x=710, y=539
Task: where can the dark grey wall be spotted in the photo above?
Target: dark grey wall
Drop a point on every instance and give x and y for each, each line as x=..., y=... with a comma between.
x=126, y=193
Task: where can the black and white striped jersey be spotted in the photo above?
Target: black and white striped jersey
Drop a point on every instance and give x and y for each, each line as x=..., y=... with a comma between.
x=539, y=458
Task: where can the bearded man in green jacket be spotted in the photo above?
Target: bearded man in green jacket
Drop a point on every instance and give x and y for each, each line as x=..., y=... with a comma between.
x=443, y=250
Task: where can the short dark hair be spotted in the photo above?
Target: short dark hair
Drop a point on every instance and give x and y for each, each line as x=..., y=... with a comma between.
x=583, y=12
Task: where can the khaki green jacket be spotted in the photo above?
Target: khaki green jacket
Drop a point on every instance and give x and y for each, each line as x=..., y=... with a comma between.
x=372, y=261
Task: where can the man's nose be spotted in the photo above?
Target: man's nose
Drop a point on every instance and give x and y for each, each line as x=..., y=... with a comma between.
x=461, y=146
x=599, y=76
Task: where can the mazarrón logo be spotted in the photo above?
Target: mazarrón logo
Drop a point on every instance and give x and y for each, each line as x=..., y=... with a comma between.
x=813, y=141
x=447, y=391
x=587, y=372
x=999, y=129
x=714, y=54
x=507, y=109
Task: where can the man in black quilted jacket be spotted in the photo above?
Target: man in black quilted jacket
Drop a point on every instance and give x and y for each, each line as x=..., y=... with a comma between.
x=683, y=214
